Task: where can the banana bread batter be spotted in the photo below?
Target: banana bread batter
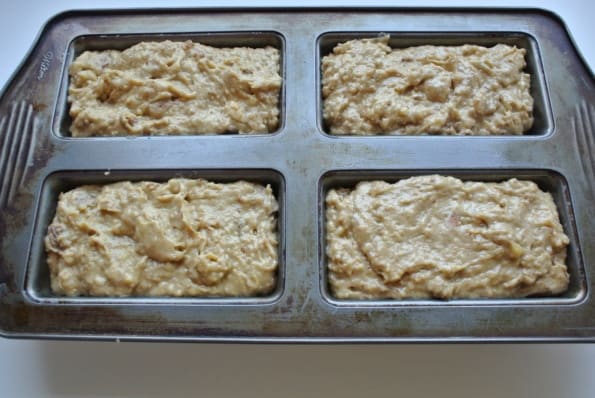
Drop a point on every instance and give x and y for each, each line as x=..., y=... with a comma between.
x=179, y=238
x=440, y=237
x=369, y=88
x=174, y=88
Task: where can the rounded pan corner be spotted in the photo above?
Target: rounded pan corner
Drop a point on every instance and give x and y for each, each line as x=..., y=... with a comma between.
x=30, y=295
x=51, y=23
x=563, y=26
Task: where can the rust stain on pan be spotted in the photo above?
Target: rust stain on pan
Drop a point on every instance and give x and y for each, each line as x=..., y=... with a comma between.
x=39, y=106
x=14, y=218
x=20, y=316
x=19, y=136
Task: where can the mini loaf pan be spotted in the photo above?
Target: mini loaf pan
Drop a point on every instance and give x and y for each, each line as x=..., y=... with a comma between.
x=301, y=161
x=542, y=115
x=547, y=180
x=38, y=278
x=80, y=44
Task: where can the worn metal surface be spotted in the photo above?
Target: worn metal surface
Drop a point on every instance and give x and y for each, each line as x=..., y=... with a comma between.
x=38, y=159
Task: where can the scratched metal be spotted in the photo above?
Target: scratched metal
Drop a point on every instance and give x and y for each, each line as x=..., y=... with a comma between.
x=301, y=161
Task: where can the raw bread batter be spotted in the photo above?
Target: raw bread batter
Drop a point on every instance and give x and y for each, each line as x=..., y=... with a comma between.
x=369, y=88
x=179, y=238
x=440, y=237
x=174, y=88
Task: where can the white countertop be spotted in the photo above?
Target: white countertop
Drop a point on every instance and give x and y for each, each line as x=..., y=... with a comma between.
x=92, y=369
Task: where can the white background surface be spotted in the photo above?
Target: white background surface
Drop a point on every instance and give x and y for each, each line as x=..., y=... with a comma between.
x=91, y=369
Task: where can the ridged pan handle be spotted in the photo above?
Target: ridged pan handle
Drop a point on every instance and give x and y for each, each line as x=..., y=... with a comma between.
x=583, y=123
x=27, y=103
x=17, y=141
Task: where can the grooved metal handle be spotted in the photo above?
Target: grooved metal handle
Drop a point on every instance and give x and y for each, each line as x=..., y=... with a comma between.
x=583, y=124
x=16, y=149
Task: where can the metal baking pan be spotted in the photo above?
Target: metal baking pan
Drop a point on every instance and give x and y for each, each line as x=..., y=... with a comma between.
x=301, y=161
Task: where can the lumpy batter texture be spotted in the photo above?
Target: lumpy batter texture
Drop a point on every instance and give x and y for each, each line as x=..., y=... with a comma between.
x=440, y=237
x=174, y=88
x=370, y=88
x=180, y=238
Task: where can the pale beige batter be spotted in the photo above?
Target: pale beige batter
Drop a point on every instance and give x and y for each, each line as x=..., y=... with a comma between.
x=174, y=88
x=369, y=88
x=440, y=237
x=179, y=238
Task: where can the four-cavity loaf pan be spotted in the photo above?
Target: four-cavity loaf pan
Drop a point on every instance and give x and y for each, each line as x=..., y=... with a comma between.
x=301, y=161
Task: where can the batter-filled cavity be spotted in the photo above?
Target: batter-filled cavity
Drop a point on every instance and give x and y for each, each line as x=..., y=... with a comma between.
x=369, y=88
x=180, y=238
x=440, y=237
x=174, y=88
